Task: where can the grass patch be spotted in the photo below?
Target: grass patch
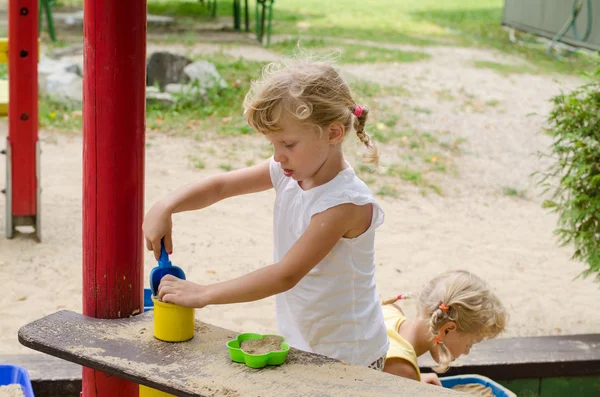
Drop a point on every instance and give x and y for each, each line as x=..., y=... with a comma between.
x=197, y=162
x=445, y=95
x=364, y=89
x=413, y=176
x=57, y=115
x=426, y=22
x=366, y=169
x=383, y=20
x=388, y=190
x=512, y=192
x=187, y=8
x=422, y=110
x=221, y=108
x=432, y=188
x=504, y=69
x=348, y=53
x=180, y=8
x=479, y=23
x=421, y=155
x=418, y=23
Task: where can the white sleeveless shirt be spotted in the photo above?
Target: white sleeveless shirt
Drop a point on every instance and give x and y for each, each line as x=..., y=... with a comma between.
x=335, y=309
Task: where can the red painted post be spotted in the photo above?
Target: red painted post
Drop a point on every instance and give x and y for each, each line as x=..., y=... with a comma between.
x=22, y=112
x=113, y=170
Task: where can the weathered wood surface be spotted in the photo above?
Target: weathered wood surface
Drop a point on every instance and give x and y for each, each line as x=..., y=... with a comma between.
x=201, y=367
x=529, y=357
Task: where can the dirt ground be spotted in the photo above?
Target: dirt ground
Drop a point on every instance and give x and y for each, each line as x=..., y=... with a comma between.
x=475, y=225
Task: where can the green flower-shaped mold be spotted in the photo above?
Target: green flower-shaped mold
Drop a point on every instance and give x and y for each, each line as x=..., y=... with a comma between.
x=257, y=360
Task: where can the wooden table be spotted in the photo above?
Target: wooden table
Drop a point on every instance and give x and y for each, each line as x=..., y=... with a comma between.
x=201, y=367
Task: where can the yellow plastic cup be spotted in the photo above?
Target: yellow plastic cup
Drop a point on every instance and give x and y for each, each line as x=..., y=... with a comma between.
x=173, y=323
x=146, y=391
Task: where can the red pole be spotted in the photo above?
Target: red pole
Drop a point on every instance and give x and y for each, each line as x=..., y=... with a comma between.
x=113, y=170
x=22, y=110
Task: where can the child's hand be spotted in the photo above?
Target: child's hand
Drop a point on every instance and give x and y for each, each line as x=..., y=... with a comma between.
x=157, y=224
x=181, y=292
x=431, y=378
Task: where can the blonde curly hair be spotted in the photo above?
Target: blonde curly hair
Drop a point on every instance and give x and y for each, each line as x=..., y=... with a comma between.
x=312, y=92
x=464, y=298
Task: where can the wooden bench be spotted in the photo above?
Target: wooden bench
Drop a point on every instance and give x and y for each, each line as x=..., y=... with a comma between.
x=201, y=367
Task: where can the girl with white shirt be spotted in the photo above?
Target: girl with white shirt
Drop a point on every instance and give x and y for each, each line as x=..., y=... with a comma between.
x=325, y=218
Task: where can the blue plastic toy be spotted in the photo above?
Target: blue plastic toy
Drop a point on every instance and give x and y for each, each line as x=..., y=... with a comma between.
x=148, y=303
x=13, y=374
x=498, y=390
x=164, y=267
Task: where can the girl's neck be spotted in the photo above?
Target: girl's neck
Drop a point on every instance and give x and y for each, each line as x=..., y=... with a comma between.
x=334, y=164
x=416, y=332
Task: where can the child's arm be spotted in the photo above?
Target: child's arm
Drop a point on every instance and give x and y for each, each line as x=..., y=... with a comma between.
x=323, y=232
x=401, y=367
x=197, y=195
x=431, y=378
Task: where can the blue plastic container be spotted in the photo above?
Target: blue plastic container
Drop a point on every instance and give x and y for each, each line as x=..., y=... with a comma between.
x=148, y=303
x=499, y=390
x=11, y=374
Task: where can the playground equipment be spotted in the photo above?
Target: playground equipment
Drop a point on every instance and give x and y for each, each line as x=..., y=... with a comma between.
x=22, y=146
x=46, y=8
x=263, y=14
x=266, y=11
x=113, y=170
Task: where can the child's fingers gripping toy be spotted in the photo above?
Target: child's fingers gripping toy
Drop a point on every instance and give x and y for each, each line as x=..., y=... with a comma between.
x=164, y=267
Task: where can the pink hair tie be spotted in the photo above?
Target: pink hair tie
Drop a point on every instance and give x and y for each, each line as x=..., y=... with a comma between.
x=358, y=110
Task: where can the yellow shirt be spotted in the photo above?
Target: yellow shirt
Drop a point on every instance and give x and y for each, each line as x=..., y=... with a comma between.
x=399, y=347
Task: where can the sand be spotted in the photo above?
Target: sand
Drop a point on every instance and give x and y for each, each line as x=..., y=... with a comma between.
x=262, y=346
x=475, y=389
x=13, y=390
x=475, y=226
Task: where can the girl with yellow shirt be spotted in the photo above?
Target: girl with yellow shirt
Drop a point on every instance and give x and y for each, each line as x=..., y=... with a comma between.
x=455, y=311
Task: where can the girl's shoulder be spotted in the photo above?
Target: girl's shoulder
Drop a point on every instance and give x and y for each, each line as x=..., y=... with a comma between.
x=393, y=311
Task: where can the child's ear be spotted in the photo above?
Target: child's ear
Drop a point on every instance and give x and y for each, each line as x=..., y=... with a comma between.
x=446, y=328
x=336, y=133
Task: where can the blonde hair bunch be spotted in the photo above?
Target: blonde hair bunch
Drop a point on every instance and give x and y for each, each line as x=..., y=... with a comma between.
x=464, y=298
x=312, y=92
